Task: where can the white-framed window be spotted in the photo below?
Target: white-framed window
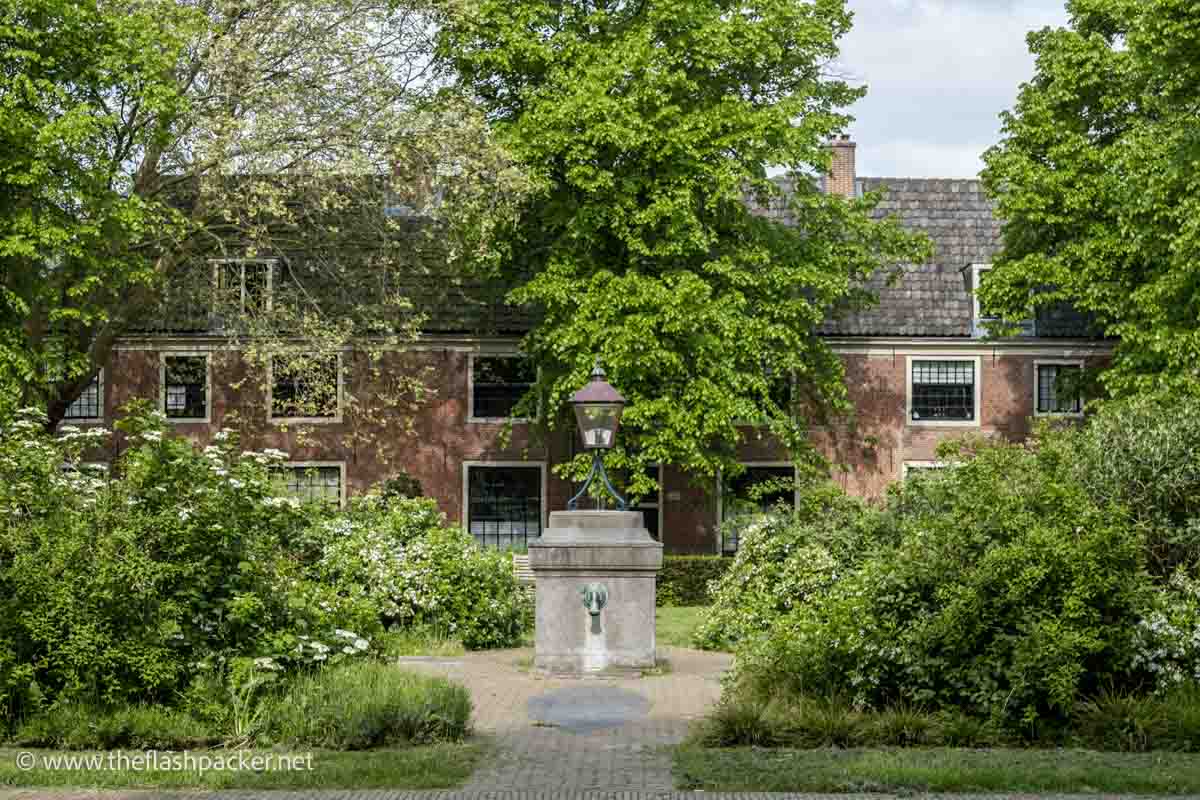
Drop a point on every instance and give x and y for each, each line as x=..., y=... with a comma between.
x=89, y=406
x=909, y=468
x=944, y=391
x=185, y=387
x=305, y=392
x=313, y=481
x=1052, y=395
x=496, y=382
x=759, y=488
x=980, y=319
x=246, y=284
x=504, y=502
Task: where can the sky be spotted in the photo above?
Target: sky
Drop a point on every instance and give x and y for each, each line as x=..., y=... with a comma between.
x=938, y=73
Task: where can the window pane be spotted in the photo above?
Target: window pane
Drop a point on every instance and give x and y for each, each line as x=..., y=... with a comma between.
x=755, y=491
x=504, y=505
x=943, y=390
x=498, y=383
x=305, y=388
x=320, y=484
x=186, y=387
x=1052, y=399
x=88, y=404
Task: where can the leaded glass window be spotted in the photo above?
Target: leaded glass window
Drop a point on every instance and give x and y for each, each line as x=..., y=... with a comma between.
x=312, y=483
x=504, y=505
x=90, y=403
x=943, y=390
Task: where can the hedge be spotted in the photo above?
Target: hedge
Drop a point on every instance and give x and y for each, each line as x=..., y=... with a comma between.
x=683, y=580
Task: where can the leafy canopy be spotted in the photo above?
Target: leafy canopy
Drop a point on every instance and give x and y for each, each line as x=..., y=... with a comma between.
x=648, y=125
x=1096, y=179
x=141, y=140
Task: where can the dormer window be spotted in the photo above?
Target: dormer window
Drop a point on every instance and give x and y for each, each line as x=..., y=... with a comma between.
x=244, y=284
x=980, y=318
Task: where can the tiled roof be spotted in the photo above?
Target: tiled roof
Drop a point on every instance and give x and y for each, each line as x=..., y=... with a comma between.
x=928, y=300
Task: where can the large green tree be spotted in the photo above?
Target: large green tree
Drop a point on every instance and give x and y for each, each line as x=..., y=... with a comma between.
x=1097, y=177
x=142, y=140
x=649, y=124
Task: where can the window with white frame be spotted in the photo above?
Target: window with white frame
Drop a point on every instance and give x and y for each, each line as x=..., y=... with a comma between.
x=943, y=391
x=498, y=382
x=1057, y=388
x=185, y=387
x=306, y=388
x=318, y=483
x=504, y=503
x=756, y=490
x=245, y=284
x=90, y=403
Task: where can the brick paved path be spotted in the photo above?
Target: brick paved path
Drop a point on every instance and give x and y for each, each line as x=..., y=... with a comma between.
x=532, y=756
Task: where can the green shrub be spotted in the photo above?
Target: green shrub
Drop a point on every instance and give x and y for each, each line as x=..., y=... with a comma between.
x=1010, y=595
x=368, y=704
x=685, y=580
x=121, y=590
x=400, y=555
x=1145, y=453
x=785, y=559
x=80, y=727
x=1125, y=721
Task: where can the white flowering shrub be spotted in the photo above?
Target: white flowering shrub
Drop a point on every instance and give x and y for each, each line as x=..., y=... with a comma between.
x=784, y=559
x=399, y=553
x=127, y=586
x=1009, y=594
x=1167, y=640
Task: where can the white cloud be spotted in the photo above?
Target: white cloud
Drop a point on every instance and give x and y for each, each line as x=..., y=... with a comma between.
x=939, y=72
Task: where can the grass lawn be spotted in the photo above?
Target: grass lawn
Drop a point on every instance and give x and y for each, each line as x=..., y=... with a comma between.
x=675, y=624
x=935, y=770
x=440, y=766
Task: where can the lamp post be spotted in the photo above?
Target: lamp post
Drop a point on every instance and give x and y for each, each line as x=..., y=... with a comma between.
x=598, y=408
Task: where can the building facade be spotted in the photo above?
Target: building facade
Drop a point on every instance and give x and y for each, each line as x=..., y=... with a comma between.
x=919, y=369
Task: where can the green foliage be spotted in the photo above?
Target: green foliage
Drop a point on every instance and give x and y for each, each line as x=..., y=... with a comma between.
x=137, y=142
x=646, y=126
x=118, y=590
x=1009, y=594
x=418, y=572
x=1110, y=721
x=401, y=485
x=1095, y=179
x=1143, y=452
x=685, y=580
x=185, y=581
x=785, y=559
x=358, y=706
x=135, y=727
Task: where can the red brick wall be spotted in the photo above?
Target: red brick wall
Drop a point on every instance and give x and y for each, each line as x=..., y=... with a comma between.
x=867, y=454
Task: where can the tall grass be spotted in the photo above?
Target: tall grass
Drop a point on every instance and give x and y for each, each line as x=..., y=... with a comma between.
x=368, y=704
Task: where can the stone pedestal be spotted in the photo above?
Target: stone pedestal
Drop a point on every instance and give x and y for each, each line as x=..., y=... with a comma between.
x=595, y=575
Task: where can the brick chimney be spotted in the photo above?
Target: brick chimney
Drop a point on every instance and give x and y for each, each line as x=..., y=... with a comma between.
x=841, y=172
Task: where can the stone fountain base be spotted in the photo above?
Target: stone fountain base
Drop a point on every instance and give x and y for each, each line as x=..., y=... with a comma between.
x=595, y=574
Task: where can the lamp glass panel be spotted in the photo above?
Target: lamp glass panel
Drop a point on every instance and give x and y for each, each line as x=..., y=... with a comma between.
x=598, y=423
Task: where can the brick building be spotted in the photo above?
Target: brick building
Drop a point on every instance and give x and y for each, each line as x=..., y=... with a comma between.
x=918, y=369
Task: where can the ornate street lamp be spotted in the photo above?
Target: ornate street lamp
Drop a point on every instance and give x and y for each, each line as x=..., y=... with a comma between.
x=598, y=409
